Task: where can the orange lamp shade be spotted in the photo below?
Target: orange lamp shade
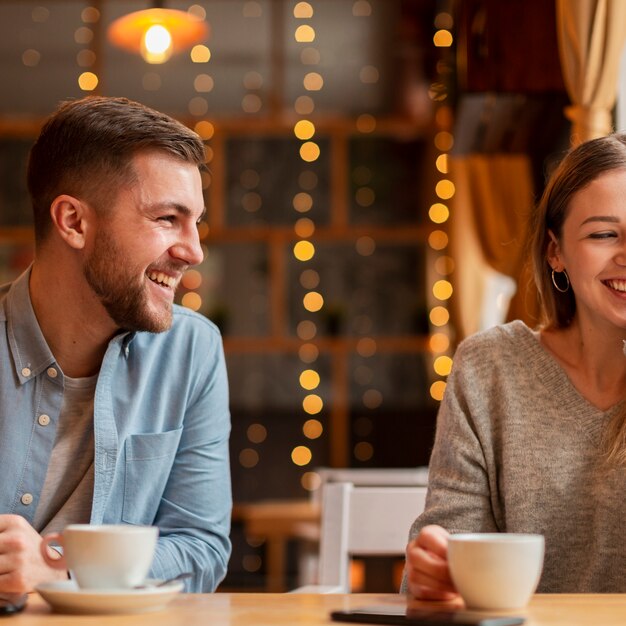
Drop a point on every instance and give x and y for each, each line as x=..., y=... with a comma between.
x=156, y=34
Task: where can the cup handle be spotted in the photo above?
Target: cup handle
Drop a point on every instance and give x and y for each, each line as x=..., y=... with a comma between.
x=56, y=563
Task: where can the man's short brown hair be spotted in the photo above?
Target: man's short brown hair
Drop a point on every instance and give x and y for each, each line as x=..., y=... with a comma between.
x=86, y=147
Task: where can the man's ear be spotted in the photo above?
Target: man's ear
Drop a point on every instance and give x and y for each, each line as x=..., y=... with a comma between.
x=70, y=218
x=553, y=253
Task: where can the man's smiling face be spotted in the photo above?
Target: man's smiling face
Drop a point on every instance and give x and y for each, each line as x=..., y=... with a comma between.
x=146, y=241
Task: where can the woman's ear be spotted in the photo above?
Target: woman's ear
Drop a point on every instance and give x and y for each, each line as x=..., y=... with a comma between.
x=70, y=218
x=553, y=253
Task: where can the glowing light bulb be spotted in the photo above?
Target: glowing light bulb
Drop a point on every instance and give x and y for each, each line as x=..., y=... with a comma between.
x=156, y=44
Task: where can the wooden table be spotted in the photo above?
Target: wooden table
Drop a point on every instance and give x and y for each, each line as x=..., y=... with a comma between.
x=240, y=609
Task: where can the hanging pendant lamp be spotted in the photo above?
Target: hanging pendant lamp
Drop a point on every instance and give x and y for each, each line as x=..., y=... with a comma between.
x=157, y=33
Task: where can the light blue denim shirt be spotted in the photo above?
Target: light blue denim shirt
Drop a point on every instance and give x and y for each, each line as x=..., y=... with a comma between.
x=161, y=429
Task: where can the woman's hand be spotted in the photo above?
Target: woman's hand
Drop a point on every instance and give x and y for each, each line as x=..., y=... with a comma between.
x=427, y=572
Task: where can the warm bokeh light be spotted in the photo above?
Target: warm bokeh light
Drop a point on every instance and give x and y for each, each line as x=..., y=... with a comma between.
x=442, y=365
x=444, y=265
x=306, y=330
x=303, y=10
x=312, y=429
x=203, y=83
x=192, y=301
x=302, y=202
x=197, y=11
x=313, y=81
x=87, y=81
x=248, y=458
x=310, y=56
x=313, y=301
x=439, y=316
x=192, y=279
x=442, y=39
x=445, y=189
x=444, y=20
x=442, y=290
x=204, y=129
x=83, y=35
x=312, y=404
x=365, y=245
x=304, y=105
x=198, y=106
x=438, y=239
x=251, y=103
x=442, y=163
x=311, y=481
x=309, y=380
x=87, y=58
x=437, y=390
x=89, y=15
x=366, y=347
x=369, y=74
x=308, y=352
x=31, y=58
x=309, y=151
x=301, y=455
x=304, y=129
x=438, y=213
x=365, y=196
x=444, y=141
x=304, y=250
x=256, y=433
x=438, y=342
x=361, y=8
x=200, y=54
x=309, y=279
x=366, y=123
x=363, y=451
x=372, y=398
x=304, y=227
x=304, y=34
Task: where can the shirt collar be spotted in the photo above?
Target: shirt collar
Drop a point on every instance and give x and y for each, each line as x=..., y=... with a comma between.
x=31, y=354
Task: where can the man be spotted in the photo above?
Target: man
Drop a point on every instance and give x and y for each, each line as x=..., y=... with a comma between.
x=113, y=400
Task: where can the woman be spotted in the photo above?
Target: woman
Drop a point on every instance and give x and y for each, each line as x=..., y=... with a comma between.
x=531, y=434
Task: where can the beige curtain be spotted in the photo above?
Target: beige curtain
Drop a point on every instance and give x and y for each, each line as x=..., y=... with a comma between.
x=591, y=37
x=488, y=223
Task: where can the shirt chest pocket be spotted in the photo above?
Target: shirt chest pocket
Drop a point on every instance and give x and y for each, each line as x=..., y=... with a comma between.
x=149, y=460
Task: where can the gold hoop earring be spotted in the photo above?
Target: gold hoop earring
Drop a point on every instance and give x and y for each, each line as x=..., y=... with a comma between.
x=560, y=289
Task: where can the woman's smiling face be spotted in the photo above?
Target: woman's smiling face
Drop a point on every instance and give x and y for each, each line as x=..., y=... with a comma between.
x=592, y=248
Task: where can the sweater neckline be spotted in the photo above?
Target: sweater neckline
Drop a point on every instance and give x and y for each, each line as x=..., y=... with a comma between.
x=558, y=383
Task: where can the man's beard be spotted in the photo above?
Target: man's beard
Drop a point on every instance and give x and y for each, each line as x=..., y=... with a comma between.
x=121, y=291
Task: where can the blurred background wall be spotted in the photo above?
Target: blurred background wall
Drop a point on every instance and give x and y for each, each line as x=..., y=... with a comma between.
x=332, y=259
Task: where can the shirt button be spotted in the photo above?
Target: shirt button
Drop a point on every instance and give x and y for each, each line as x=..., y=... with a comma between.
x=52, y=372
x=44, y=420
x=26, y=371
x=27, y=498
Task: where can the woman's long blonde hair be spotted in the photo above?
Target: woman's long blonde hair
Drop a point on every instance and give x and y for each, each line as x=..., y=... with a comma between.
x=578, y=169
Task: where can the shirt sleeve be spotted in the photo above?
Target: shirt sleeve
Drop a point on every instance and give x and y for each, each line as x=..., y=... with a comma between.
x=195, y=509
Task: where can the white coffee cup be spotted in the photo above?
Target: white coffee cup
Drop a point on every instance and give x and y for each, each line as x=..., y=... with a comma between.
x=109, y=556
x=495, y=571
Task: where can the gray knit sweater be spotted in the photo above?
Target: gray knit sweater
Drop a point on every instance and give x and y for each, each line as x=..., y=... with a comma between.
x=517, y=450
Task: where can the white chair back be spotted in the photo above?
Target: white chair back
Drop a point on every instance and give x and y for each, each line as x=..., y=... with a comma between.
x=365, y=521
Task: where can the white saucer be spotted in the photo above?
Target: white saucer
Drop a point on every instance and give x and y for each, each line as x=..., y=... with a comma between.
x=66, y=597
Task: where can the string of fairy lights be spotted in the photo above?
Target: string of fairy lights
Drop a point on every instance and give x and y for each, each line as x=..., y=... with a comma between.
x=439, y=212
x=304, y=250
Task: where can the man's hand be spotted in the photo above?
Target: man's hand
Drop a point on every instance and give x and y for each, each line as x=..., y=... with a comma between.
x=428, y=576
x=21, y=564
